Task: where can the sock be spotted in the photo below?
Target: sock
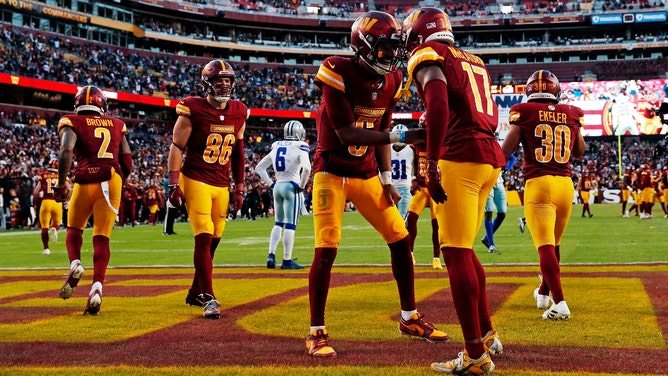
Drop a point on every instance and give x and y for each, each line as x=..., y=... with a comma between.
x=436, y=246
x=406, y=315
x=288, y=243
x=203, y=265
x=465, y=288
x=319, y=277
x=498, y=220
x=489, y=230
x=317, y=327
x=95, y=286
x=45, y=237
x=275, y=237
x=549, y=266
x=101, y=256
x=402, y=269
x=74, y=241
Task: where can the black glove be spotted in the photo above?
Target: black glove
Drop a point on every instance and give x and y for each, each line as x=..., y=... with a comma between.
x=434, y=183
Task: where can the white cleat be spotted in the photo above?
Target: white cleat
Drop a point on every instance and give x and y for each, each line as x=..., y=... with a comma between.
x=558, y=311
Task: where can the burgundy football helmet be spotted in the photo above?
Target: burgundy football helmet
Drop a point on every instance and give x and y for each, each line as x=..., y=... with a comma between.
x=90, y=98
x=543, y=85
x=212, y=75
x=424, y=25
x=375, y=37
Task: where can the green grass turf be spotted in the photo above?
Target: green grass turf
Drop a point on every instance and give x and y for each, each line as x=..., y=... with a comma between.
x=605, y=238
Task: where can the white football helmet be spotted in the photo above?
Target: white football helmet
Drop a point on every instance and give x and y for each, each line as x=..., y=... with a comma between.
x=399, y=128
x=294, y=130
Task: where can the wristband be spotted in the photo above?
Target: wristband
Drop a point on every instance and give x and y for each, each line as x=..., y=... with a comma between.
x=386, y=177
x=402, y=136
x=173, y=178
x=397, y=136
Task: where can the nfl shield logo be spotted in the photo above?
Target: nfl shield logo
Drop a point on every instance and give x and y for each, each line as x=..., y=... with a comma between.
x=222, y=117
x=374, y=96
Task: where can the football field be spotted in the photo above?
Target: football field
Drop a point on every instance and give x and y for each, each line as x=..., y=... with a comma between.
x=614, y=274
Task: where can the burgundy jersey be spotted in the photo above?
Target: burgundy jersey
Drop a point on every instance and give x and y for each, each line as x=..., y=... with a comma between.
x=548, y=134
x=472, y=113
x=371, y=100
x=209, y=148
x=151, y=196
x=645, y=179
x=421, y=170
x=97, y=147
x=48, y=180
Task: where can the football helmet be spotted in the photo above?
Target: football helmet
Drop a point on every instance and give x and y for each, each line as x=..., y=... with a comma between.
x=90, y=98
x=399, y=128
x=212, y=75
x=543, y=85
x=294, y=130
x=424, y=25
x=53, y=165
x=375, y=37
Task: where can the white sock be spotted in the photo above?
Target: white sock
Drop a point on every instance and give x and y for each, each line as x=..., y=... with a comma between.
x=406, y=315
x=96, y=286
x=288, y=243
x=274, y=238
x=314, y=328
x=74, y=262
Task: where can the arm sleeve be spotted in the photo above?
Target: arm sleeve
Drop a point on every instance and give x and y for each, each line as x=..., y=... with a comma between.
x=306, y=170
x=126, y=164
x=261, y=169
x=238, y=162
x=511, y=162
x=436, y=103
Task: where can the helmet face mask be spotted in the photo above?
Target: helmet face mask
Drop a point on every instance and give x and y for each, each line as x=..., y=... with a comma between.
x=218, y=80
x=543, y=85
x=424, y=25
x=294, y=131
x=90, y=99
x=375, y=37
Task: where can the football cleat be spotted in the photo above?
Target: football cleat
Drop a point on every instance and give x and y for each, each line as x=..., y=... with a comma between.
x=53, y=235
x=291, y=264
x=46, y=251
x=436, y=263
x=194, y=299
x=491, y=249
x=418, y=327
x=485, y=242
x=94, y=303
x=558, y=311
x=76, y=272
x=317, y=344
x=523, y=224
x=542, y=301
x=463, y=365
x=271, y=261
x=211, y=305
x=492, y=343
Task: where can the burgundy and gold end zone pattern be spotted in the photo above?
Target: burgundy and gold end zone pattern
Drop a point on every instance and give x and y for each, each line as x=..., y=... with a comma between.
x=619, y=318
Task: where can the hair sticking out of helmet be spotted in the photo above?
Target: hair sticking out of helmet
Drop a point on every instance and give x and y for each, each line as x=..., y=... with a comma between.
x=424, y=25
x=375, y=37
x=90, y=99
x=218, y=79
x=294, y=130
x=543, y=85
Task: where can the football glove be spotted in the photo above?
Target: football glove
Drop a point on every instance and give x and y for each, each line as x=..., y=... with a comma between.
x=61, y=194
x=238, y=197
x=434, y=183
x=176, y=197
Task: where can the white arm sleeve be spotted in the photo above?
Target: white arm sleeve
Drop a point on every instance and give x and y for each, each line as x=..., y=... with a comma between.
x=261, y=169
x=306, y=169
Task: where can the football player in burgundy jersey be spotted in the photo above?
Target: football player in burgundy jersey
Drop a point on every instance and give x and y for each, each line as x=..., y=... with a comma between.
x=461, y=120
x=103, y=160
x=208, y=147
x=352, y=162
x=420, y=200
x=550, y=134
x=50, y=211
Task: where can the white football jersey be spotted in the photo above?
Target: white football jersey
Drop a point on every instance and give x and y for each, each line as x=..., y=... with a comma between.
x=402, y=166
x=290, y=160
